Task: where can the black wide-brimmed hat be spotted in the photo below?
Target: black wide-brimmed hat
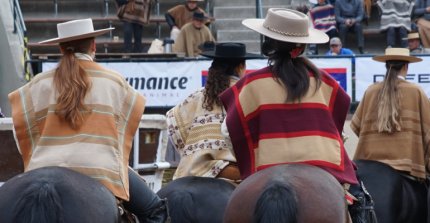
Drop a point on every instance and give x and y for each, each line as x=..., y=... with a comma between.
x=200, y=16
x=230, y=51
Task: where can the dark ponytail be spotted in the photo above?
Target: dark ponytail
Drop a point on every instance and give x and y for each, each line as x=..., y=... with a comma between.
x=289, y=68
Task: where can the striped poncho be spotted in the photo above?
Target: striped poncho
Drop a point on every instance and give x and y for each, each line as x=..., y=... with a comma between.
x=323, y=17
x=100, y=148
x=267, y=131
x=395, y=13
x=406, y=150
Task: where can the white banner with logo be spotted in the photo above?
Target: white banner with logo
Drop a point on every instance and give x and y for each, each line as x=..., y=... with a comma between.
x=368, y=71
x=166, y=84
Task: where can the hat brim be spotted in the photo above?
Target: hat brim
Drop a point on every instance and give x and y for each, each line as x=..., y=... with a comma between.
x=384, y=58
x=71, y=38
x=315, y=36
x=211, y=54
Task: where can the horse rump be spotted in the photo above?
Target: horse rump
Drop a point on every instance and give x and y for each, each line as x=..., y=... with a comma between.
x=56, y=194
x=292, y=193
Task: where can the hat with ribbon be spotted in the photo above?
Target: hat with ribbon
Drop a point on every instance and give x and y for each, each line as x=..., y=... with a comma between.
x=74, y=30
x=286, y=25
x=397, y=54
x=412, y=36
x=230, y=51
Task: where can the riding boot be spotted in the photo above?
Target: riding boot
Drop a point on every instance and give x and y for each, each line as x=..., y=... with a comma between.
x=144, y=203
x=362, y=209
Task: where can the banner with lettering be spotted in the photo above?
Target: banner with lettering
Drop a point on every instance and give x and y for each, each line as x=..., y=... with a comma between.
x=368, y=71
x=165, y=84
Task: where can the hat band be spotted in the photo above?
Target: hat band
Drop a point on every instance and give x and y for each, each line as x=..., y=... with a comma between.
x=285, y=33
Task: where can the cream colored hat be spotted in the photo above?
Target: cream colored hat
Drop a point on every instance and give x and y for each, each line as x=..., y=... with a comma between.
x=286, y=25
x=397, y=54
x=413, y=36
x=74, y=30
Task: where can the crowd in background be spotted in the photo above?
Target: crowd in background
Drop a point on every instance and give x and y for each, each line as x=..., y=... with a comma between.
x=188, y=24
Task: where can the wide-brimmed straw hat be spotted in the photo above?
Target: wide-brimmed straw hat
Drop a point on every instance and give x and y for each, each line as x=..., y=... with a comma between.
x=412, y=36
x=230, y=51
x=74, y=30
x=286, y=25
x=397, y=54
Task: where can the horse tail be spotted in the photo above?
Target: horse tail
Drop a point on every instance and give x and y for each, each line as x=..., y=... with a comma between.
x=277, y=203
x=39, y=202
x=180, y=203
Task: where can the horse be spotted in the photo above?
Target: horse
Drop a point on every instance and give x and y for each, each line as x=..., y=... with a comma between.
x=288, y=193
x=56, y=194
x=195, y=199
x=397, y=198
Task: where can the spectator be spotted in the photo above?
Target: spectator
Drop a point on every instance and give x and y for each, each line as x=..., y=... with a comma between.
x=133, y=16
x=180, y=15
x=337, y=49
x=1, y=114
x=192, y=35
x=396, y=20
x=421, y=13
x=349, y=16
x=414, y=44
x=323, y=18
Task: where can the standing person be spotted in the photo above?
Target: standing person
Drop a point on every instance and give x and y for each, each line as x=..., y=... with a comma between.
x=392, y=121
x=298, y=103
x=349, y=16
x=195, y=124
x=180, y=15
x=192, y=35
x=396, y=20
x=83, y=116
x=414, y=44
x=134, y=14
x=336, y=48
x=421, y=14
x=323, y=18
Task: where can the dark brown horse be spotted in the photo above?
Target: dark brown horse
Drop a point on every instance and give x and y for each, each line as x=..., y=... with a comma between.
x=398, y=198
x=56, y=194
x=197, y=199
x=288, y=193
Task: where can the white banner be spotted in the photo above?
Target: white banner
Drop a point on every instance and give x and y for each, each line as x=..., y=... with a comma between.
x=368, y=71
x=166, y=84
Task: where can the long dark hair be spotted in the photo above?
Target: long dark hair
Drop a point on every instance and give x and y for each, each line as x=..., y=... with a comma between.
x=219, y=80
x=72, y=83
x=289, y=68
x=389, y=98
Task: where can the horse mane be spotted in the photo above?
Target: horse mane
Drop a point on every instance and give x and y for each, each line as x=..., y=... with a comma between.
x=278, y=203
x=39, y=202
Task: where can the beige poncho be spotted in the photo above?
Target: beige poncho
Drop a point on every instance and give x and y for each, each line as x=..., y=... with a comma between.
x=100, y=148
x=190, y=38
x=406, y=150
x=196, y=133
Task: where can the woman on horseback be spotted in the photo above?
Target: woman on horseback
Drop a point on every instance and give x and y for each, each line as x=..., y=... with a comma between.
x=195, y=124
x=83, y=116
x=290, y=111
x=392, y=121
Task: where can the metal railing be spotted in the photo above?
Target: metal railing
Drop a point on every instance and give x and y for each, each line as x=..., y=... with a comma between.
x=20, y=29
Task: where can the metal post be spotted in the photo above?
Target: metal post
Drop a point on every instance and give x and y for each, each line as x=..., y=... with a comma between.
x=106, y=8
x=55, y=8
x=158, y=23
x=259, y=14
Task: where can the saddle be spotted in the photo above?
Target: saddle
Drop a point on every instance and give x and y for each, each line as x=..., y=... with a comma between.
x=125, y=216
x=362, y=209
